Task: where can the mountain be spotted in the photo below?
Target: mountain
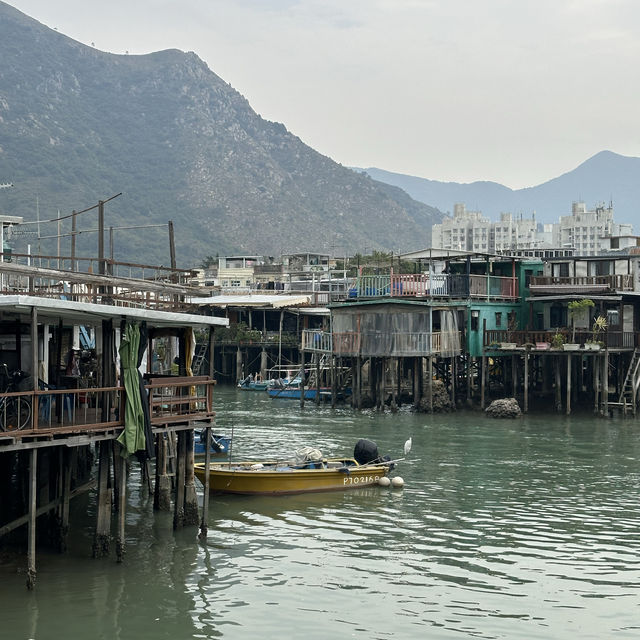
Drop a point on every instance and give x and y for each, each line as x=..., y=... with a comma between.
x=78, y=125
x=605, y=177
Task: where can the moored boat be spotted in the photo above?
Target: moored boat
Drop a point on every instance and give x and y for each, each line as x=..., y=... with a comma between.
x=309, y=472
x=219, y=443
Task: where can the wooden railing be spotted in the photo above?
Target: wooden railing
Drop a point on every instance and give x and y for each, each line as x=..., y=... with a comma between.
x=171, y=400
x=619, y=282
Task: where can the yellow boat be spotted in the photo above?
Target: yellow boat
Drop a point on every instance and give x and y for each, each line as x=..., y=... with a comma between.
x=277, y=478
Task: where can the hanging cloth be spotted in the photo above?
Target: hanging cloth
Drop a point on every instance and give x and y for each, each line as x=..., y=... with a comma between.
x=132, y=437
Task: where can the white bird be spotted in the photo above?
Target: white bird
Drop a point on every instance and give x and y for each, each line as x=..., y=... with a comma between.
x=407, y=446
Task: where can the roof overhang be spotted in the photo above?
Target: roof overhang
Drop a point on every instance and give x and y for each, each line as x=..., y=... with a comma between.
x=257, y=301
x=53, y=309
x=573, y=296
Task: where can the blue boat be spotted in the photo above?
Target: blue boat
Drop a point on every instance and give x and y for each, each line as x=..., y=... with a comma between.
x=219, y=443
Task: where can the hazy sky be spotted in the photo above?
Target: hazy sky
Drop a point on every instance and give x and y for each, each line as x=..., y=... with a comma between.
x=514, y=91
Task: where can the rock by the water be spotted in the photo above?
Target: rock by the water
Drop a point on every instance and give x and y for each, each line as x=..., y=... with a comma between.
x=441, y=399
x=504, y=408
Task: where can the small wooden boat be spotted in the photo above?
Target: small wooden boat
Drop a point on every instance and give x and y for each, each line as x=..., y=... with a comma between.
x=277, y=478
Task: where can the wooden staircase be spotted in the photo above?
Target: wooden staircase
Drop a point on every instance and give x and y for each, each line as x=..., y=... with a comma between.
x=629, y=393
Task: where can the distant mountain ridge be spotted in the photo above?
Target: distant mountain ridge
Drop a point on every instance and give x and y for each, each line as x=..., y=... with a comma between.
x=78, y=125
x=605, y=177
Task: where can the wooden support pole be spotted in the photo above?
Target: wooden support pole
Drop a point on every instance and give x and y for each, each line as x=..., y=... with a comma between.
x=70, y=458
x=191, y=515
x=416, y=381
x=204, y=524
x=469, y=361
x=318, y=373
x=569, y=384
x=605, y=382
x=121, y=464
x=431, y=384
x=31, y=543
x=526, y=382
x=162, y=495
x=102, y=537
x=596, y=383
x=334, y=382
x=558, y=400
x=178, y=516
x=483, y=380
x=302, y=378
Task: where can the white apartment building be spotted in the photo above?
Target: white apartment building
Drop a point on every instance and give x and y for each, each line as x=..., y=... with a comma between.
x=581, y=232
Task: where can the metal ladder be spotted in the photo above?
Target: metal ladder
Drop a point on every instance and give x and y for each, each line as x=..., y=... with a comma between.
x=198, y=359
x=631, y=383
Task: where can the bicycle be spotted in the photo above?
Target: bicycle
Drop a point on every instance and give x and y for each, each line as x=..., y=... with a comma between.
x=15, y=411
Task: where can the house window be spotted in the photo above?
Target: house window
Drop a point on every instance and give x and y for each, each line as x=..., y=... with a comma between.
x=498, y=319
x=613, y=317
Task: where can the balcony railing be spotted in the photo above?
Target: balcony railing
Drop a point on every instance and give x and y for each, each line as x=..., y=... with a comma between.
x=171, y=400
x=611, y=339
x=435, y=285
x=619, y=282
x=378, y=344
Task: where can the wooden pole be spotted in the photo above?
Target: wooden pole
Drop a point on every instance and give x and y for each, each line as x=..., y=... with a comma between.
x=101, y=264
x=34, y=364
x=31, y=544
x=172, y=245
x=431, y=384
x=605, y=382
x=569, y=384
x=558, y=400
x=302, y=378
x=596, y=383
x=178, y=516
x=204, y=524
x=102, y=537
x=191, y=515
x=483, y=381
x=121, y=463
x=526, y=382
x=73, y=240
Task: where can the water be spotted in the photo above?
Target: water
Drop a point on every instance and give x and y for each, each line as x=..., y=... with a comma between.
x=514, y=529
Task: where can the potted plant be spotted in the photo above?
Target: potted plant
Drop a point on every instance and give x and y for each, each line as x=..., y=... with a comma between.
x=557, y=340
x=598, y=329
x=577, y=308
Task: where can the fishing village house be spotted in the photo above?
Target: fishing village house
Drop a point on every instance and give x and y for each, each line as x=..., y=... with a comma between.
x=102, y=353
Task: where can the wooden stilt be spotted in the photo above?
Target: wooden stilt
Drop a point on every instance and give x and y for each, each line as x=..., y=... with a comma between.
x=526, y=382
x=162, y=495
x=431, y=384
x=416, y=381
x=483, y=380
x=102, y=537
x=69, y=458
x=558, y=384
x=334, y=382
x=178, y=514
x=204, y=526
x=318, y=382
x=121, y=463
x=31, y=543
x=191, y=515
x=569, y=359
x=605, y=382
x=469, y=378
x=302, y=379
x=596, y=383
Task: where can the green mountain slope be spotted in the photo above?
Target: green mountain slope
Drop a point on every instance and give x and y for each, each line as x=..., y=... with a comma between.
x=78, y=125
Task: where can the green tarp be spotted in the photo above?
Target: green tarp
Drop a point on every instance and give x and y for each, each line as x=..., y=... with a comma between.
x=132, y=438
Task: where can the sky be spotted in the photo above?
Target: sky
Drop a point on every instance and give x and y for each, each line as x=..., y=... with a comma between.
x=513, y=91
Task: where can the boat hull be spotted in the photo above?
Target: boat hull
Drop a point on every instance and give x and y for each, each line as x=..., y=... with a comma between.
x=276, y=480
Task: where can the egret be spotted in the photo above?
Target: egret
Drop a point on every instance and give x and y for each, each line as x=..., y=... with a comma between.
x=407, y=446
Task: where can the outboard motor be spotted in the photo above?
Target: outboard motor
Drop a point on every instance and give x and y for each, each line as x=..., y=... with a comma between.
x=366, y=451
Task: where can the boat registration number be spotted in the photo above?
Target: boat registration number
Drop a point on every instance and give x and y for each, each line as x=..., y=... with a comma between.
x=358, y=479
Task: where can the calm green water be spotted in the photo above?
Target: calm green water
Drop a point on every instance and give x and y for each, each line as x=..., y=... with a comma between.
x=518, y=529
